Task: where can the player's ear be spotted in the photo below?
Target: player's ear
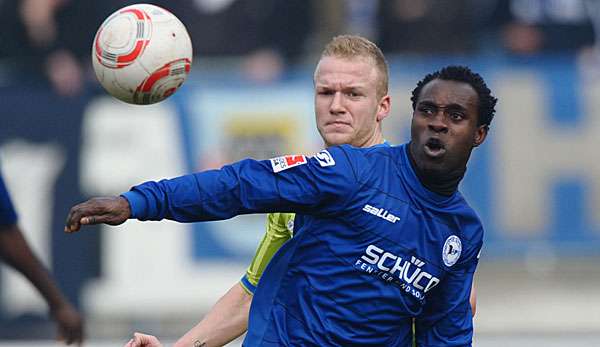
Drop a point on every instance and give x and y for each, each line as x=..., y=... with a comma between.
x=383, y=109
x=480, y=135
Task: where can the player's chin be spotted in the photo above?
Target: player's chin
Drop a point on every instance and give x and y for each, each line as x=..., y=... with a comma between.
x=432, y=160
x=337, y=138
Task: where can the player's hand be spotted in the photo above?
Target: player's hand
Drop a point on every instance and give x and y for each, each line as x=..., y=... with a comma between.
x=70, y=324
x=111, y=210
x=143, y=340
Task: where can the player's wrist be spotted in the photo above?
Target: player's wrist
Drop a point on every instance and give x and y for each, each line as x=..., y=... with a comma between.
x=248, y=286
x=132, y=204
x=57, y=304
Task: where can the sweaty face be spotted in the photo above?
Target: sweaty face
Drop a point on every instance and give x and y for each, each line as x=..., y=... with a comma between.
x=347, y=108
x=444, y=126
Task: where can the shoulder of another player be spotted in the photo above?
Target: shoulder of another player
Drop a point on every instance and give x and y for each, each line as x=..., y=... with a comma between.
x=280, y=224
x=341, y=158
x=472, y=228
x=363, y=156
x=281, y=217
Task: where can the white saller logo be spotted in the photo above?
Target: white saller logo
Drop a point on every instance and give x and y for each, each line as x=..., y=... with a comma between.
x=408, y=271
x=451, y=251
x=381, y=213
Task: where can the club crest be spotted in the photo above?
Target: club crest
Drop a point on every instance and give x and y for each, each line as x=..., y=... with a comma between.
x=451, y=251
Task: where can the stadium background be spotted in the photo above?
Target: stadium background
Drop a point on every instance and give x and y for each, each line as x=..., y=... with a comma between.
x=535, y=183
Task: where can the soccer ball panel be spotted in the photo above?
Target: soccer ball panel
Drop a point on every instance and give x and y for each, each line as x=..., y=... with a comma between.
x=163, y=82
x=170, y=42
x=121, y=83
x=142, y=54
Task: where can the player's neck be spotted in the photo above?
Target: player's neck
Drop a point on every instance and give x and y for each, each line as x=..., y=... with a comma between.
x=377, y=139
x=374, y=141
x=445, y=184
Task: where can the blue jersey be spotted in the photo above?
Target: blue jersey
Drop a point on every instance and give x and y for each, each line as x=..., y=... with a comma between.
x=373, y=248
x=8, y=216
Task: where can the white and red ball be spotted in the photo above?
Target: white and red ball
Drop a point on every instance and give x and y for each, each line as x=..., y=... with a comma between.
x=142, y=54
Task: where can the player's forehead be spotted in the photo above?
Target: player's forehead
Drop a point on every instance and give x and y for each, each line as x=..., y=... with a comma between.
x=448, y=92
x=356, y=71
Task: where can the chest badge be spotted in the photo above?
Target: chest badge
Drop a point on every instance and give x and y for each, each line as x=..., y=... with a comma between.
x=451, y=251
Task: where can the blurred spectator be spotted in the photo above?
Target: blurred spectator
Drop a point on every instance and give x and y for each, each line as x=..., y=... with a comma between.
x=49, y=40
x=407, y=26
x=589, y=59
x=361, y=18
x=427, y=26
x=267, y=34
x=543, y=26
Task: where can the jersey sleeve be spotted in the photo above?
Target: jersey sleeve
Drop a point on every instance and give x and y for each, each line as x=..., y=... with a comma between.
x=279, y=230
x=8, y=215
x=319, y=185
x=447, y=319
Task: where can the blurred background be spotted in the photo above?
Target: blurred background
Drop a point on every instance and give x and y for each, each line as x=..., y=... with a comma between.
x=535, y=182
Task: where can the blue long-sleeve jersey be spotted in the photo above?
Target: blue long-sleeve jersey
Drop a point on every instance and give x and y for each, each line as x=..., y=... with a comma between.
x=373, y=248
x=8, y=216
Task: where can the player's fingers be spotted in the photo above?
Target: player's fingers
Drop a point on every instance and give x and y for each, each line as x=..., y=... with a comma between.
x=96, y=219
x=60, y=337
x=65, y=336
x=87, y=213
x=89, y=220
x=72, y=227
x=69, y=223
x=138, y=340
x=141, y=340
x=74, y=336
x=73, y=219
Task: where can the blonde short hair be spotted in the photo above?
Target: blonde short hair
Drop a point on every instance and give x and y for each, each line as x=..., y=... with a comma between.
x=353, y=46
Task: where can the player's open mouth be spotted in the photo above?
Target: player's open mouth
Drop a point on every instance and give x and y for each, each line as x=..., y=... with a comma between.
x=434, y=147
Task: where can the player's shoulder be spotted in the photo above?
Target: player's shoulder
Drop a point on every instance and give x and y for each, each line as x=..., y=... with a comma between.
x=384, y=148
x=368, y=153
x=365, y=163
x=471, y=224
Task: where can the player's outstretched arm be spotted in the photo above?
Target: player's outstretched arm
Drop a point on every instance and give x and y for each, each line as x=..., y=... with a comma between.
x=15, y=251
x=143, y=340
x=226, y=321
x=109, y=210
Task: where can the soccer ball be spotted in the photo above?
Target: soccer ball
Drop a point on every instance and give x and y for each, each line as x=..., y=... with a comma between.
x=142, y=54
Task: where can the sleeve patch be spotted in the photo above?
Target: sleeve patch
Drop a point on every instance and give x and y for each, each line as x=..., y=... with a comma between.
x=324, y=158
x=283, y=163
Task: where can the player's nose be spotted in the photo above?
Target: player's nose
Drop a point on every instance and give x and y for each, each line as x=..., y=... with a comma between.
x=337, y=104
x=437, y=123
